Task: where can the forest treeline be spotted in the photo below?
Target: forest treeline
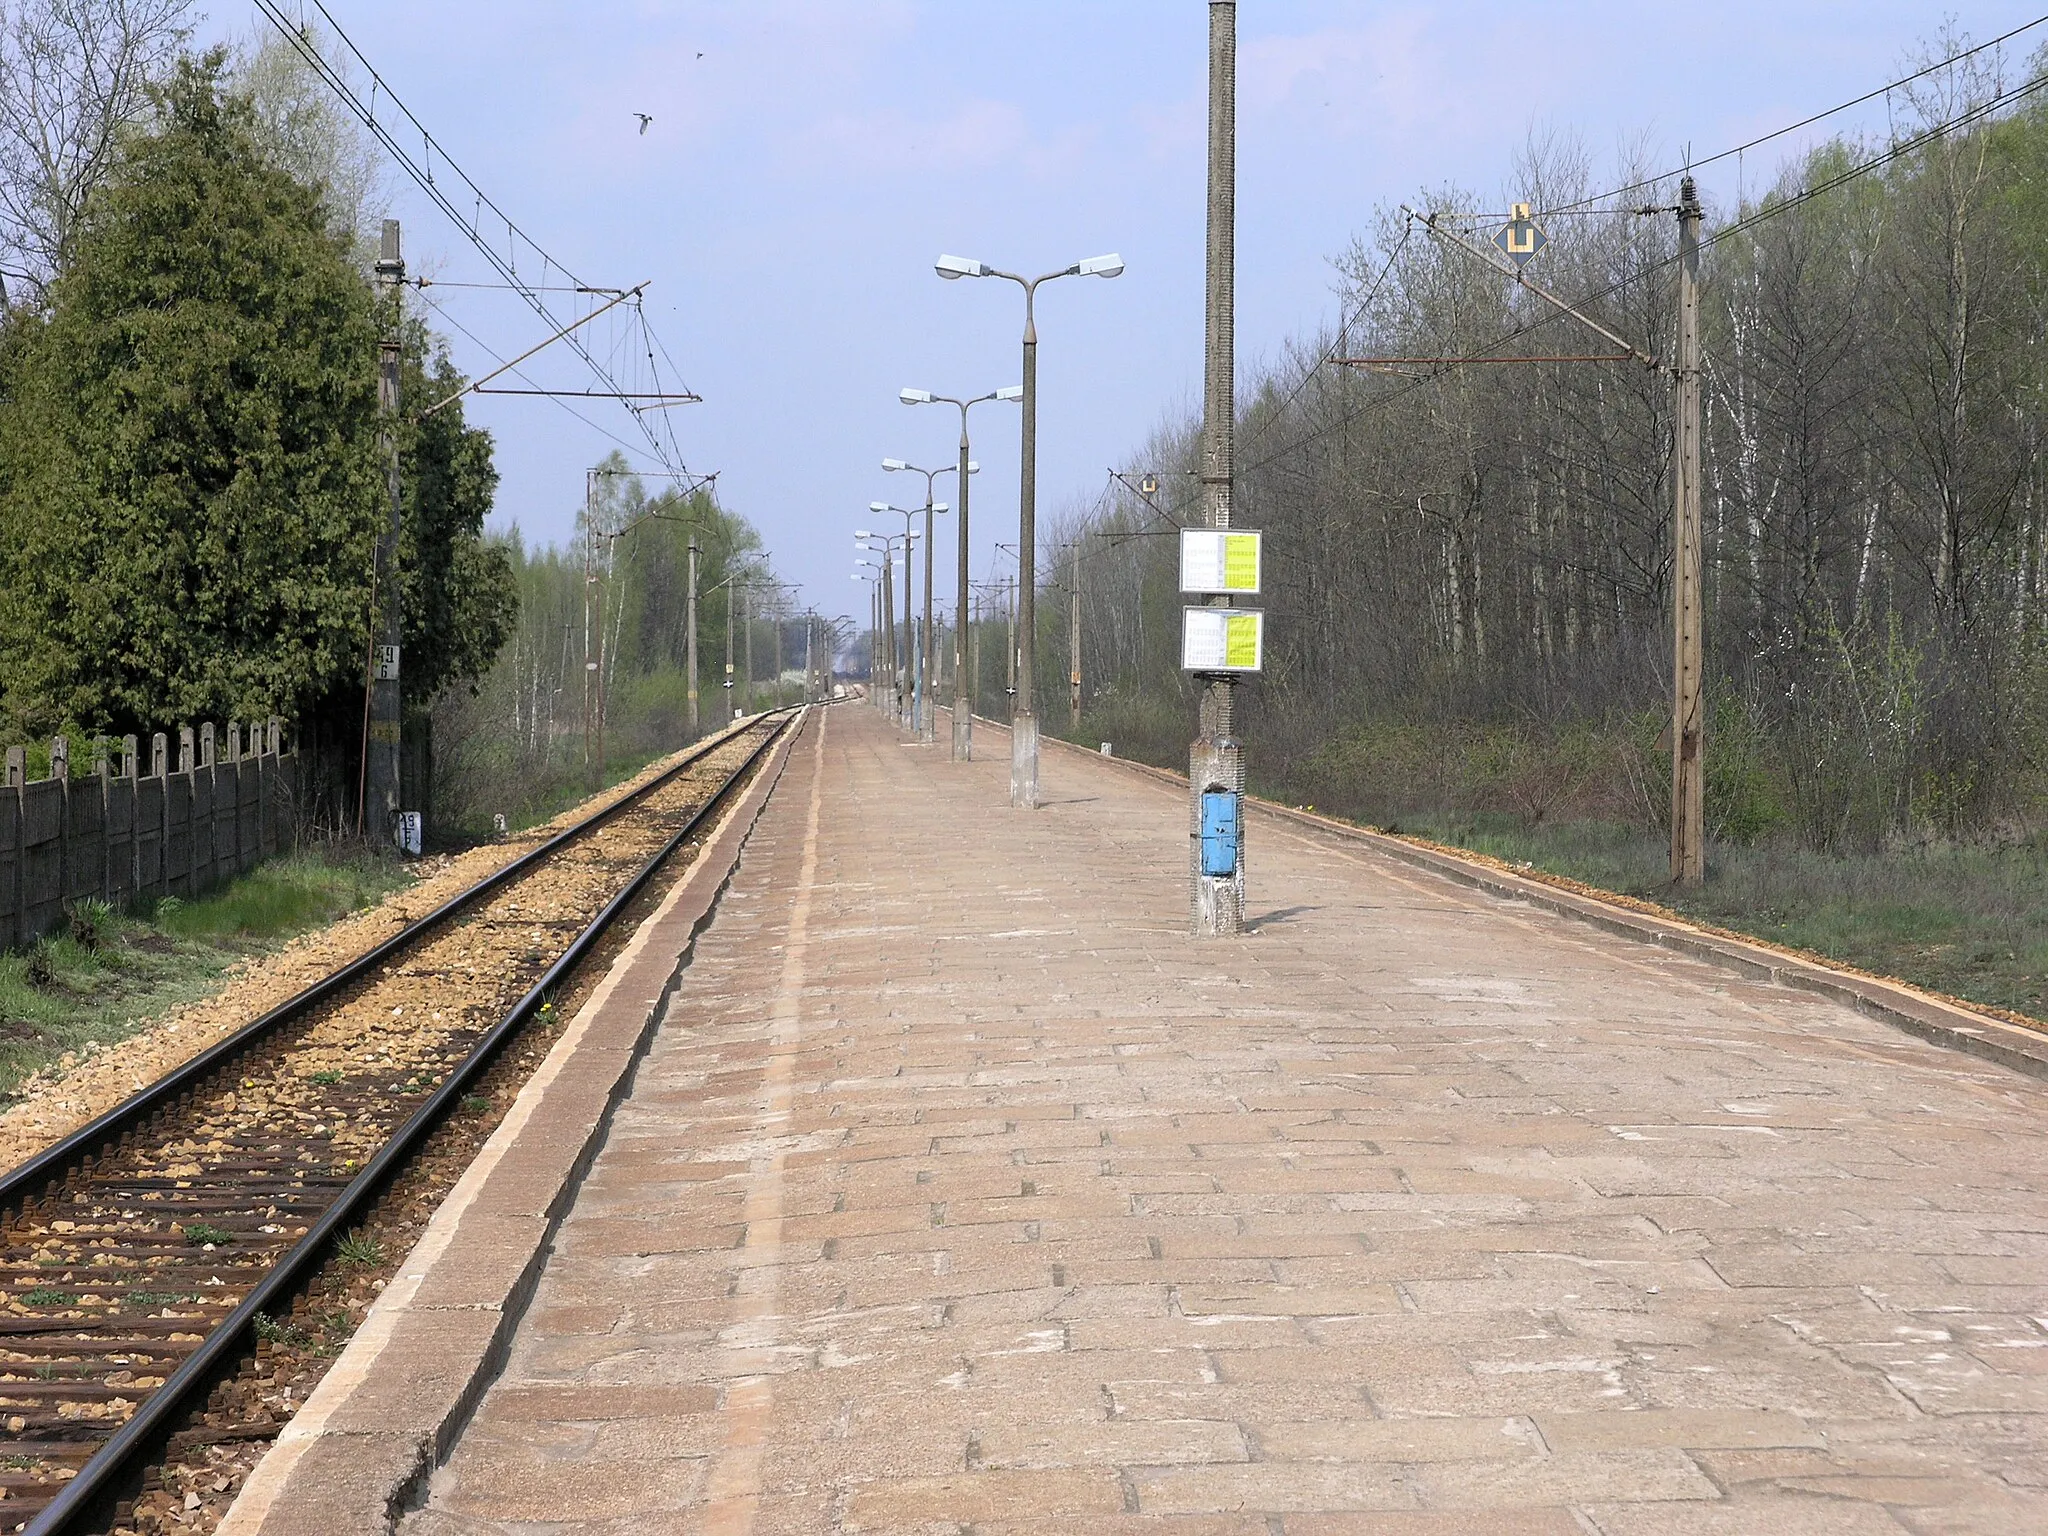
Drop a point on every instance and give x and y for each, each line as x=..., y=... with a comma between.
x=191, y=476
x=1468, y=569
x=601, y=648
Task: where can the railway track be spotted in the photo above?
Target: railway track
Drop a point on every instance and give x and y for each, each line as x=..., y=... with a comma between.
x=144, y=1257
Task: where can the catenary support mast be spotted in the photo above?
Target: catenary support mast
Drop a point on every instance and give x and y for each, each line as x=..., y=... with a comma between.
x=1215, y=761
x=381, y=759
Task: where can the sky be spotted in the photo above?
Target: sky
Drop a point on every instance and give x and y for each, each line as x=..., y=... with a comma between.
x=808, y=159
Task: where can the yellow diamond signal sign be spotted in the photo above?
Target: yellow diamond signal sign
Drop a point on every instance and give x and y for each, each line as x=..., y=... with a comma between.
x=1521, y=237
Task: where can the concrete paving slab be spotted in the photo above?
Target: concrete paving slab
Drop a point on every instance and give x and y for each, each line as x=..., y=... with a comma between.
x=961, y=1190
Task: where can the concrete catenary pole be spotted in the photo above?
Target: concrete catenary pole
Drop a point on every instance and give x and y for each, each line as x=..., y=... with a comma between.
x=731, y=698
x=380, y=767
x=1215, y=761
x=597, y=604
x=1074, y=640
x=1688, y=816
x=690, y=642
x=1010, y=616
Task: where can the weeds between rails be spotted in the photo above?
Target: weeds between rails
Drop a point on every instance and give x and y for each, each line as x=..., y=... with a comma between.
x=112, y=1284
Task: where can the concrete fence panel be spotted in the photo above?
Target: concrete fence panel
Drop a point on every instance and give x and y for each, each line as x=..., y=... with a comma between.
x=133, y=830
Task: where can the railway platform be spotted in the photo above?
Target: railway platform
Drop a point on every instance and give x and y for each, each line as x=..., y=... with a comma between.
x=959, y=1189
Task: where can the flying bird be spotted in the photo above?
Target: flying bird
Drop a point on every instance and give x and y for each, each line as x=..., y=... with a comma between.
x=644, y=121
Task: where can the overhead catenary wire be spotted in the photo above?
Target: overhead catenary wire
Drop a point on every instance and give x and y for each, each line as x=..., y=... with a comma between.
x=1805, y=122
x=1343, y=329
x=553, y=396
x=1892, y=152
x=421, y=171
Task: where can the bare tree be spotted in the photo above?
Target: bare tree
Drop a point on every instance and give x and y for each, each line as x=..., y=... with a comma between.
x=311, y=134
x=74, y=74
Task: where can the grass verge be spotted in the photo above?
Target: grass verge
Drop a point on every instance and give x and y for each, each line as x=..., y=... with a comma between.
x=113, y=972
x=1970, y=921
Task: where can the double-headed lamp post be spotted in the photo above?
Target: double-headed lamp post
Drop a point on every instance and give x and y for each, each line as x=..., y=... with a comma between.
x=963, y=698
x=1024, y=717
x=885, y=618
x=874, y=631
x=913, y=660
x=927, y=705
x=885, y=545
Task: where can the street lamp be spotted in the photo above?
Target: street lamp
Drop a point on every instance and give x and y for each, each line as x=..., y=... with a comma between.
x=927, y=705
x=898, y=662
x=874, y=628
x=913, y=661
x=963, y=701
x=1024, y=718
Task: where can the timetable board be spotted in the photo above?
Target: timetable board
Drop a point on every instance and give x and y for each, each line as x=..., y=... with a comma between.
x=1219, y=560
x=1222, y=639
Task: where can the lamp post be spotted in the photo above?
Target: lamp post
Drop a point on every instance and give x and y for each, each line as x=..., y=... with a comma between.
x=1024, y=719
x=874, y=631
x=927, y=713
x=899, y=660
x=963, y=698
x=882, y=658
x=913, y=656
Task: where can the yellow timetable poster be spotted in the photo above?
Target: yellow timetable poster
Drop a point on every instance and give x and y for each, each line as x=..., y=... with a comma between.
x=1222, y=639
x=1241, y=642
x=1219, y=560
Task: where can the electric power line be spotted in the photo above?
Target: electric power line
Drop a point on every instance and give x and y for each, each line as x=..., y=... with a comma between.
x=1804, y=122
x=421, y=172
x=1895, y=151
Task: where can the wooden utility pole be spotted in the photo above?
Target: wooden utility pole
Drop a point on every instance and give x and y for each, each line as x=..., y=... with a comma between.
x=1688, y=813
x=380, y=755
x=690, y=610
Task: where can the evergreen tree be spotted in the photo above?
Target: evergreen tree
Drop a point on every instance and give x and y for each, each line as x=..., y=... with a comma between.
x=190, y=485
x=189, y=491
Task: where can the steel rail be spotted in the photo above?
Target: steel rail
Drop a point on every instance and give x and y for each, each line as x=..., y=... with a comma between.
x=107, y=1473
x=32, y=1179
